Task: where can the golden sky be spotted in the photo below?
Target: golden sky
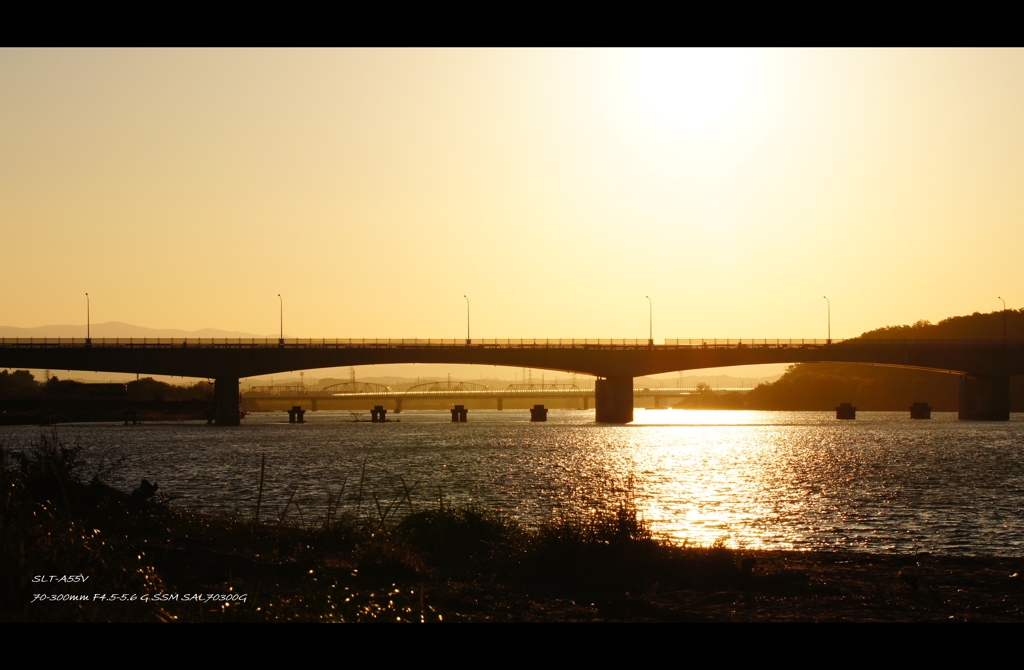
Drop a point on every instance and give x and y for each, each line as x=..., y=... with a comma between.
x=557, y=188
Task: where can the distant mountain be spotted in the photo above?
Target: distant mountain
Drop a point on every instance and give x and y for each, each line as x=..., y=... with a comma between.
x=119, y=329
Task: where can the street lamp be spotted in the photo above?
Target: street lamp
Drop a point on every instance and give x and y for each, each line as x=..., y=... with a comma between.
x=88, y=320
x=468, y=341
x=280, y=341
x=1004, y=320
x=650, y=321
x=829, y=340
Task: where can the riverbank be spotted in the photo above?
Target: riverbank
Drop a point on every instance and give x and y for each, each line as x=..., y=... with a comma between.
x=434, y=565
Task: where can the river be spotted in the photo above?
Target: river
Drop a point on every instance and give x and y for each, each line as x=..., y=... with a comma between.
x=756, y=480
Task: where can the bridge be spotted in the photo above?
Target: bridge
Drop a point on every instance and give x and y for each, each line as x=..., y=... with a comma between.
x=447, y=391
x=984, y=365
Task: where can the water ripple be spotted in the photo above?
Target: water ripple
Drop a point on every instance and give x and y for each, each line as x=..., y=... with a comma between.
x=773, y=480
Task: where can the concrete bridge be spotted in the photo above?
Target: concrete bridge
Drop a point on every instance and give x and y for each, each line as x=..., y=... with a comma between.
x=985, y=365
x=447, y=391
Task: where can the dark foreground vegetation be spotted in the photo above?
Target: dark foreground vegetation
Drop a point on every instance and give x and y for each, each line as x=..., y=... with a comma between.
x=431, y=565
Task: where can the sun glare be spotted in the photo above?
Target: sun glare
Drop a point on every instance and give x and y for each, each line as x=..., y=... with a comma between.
x=689, y=115
x=697, y=88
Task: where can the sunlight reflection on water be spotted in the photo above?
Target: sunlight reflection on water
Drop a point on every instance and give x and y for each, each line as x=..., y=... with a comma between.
x=786, y=480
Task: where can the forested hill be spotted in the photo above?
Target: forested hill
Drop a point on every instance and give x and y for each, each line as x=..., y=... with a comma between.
x=973, y=326
x=822, y=386
x=22, y=383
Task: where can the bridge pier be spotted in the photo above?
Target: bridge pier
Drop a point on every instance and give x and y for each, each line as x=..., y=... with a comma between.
x=984, y=398
x=846, y=411
x=614, y=400
x=398, y=405
x=314, y=404
x=500, y=405
x=225, y=393
x=920, y=410
x=539, y=413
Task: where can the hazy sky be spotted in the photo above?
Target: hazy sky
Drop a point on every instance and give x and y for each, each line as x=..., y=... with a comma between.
x=373, y=188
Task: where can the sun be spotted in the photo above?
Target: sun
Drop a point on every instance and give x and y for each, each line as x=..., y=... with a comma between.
x=692, y=88
x=689, y=115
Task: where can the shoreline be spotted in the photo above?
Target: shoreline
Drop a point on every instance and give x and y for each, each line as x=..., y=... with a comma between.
x=83, y=551
x=284, y=576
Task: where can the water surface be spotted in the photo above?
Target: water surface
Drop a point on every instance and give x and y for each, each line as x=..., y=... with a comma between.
x=782, y=480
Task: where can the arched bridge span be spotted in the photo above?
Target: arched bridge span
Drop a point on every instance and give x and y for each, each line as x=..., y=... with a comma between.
x=357, y=387
x=985, y=365
x=445, y=387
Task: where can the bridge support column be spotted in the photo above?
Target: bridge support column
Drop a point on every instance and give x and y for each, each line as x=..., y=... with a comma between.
x=920, y=410
x=398, y=405
x=614, y=400
x=500, y=405
x=984, y=398
x=314, y=404
x=225, y=393
x=846, y=411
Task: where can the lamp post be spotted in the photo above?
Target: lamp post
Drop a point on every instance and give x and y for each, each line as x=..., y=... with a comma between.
x=468, y=341
x=650, y=321
x=280, y=341
x=829, y=340
x=1004, y=321
x=88, y=320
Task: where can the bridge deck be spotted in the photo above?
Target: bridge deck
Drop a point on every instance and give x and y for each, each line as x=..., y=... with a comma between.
x=238, y=358
x=536, y=343
x=987, y=363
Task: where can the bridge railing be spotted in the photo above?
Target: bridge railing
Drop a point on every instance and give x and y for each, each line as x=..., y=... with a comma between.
x=314, y=342
x=283, y=390
x=752, y=343
x=265, y=394
x=534, y=343
x=793, y=343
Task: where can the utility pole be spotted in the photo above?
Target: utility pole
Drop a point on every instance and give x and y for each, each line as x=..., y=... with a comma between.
x=1004, y=322
x=650, y=321
x=829, y=318
x=280, y=341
